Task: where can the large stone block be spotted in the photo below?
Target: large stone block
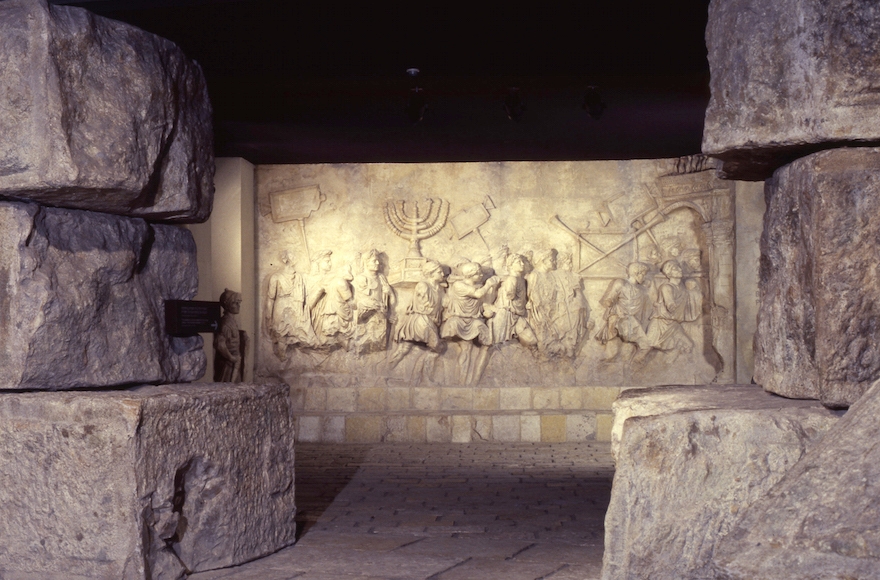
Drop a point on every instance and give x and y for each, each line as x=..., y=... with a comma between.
x=144, y=484
x=820, y=520
x=685, y=472
x=663, y=400
x=83, y=299
x=96, y=114
x=819, y=317
x=789, y=77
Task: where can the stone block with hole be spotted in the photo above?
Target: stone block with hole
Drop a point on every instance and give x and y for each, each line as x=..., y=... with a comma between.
x=148, y=483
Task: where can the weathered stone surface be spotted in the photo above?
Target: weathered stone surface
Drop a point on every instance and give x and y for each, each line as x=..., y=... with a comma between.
x=96, y=114
x=819, y=318
x=687, y=469
x=146, y=483
x=83, y=300
x=820, y=520
x=663, y=400
x=789, y=77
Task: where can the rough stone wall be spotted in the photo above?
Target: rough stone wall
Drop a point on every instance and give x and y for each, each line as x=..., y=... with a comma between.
x=84, y=299
x=98, y=115
x=789, y=77
x=819, y=320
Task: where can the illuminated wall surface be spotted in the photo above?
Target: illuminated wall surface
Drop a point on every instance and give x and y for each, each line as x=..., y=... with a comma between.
x=399, y=288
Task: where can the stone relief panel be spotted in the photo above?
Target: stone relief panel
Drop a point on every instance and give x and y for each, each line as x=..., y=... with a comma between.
x=616, y=273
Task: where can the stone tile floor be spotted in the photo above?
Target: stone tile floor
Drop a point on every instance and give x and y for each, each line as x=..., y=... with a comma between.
x=530, y=511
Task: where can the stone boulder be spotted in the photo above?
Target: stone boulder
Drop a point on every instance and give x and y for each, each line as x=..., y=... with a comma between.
x=820, y=520
x=819, y=316
x=98, y=115
x=150, y=483
x=790, y=77
x=685, y=473
x=84, y=296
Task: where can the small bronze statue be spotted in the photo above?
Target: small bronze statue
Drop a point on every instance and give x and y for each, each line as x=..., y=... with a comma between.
x=230, y=343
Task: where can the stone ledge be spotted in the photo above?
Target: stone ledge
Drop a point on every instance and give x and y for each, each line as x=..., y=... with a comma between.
x=312, y=398
x=454, y=427
x=144, y=483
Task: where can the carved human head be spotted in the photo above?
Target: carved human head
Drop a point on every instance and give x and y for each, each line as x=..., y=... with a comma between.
x=566, y=262
x=545, y=260
x=321, y=261
x=286, y=257
x=432, y=270
x=230, y=300
x=671, y=269
x=472, y=270
x=370, y=261
x=516, y=264
x=636, y=272
x=692, y=259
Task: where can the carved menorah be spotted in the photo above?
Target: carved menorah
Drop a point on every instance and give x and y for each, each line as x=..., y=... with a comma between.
x=419, y=225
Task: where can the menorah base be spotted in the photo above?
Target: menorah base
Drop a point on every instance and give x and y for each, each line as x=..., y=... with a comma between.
x=409, y=273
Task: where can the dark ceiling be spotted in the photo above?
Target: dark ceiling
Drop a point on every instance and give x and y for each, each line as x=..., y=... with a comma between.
x=326, y=82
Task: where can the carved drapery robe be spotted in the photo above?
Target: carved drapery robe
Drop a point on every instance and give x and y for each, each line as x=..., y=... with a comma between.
x=675, y=304
x=462, y=314
x=288, y=318
x=374, y=305
x=627, y=310
x=421, y=323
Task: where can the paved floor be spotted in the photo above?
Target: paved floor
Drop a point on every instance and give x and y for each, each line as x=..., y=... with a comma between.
x=444, y=512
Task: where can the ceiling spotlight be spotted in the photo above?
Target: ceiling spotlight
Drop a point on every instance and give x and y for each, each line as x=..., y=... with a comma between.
x=412, y=72
x=593, y=104
x=514, y=105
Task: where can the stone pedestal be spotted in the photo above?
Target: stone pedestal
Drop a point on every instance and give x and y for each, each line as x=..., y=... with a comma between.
x=789, y=77
x=819, y=318
x=84, y=296
x=146, y=483
x=820, y=520
x=689, y=460
x=98, y=115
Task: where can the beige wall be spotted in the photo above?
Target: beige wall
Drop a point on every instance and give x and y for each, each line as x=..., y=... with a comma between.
x=749, y=224
x=226, y=248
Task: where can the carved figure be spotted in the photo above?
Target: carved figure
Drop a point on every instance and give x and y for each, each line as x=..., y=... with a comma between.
x=329, y=298
x=420, y=324
x=230, y=342
x=509, y=309
x=627, y=308
x=374, y=304
x=463, y=320
x=572, y=311
x=334, y=319
x=543, y=301
x=676, y=303
x=287, y=314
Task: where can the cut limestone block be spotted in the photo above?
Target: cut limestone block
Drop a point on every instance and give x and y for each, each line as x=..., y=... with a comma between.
x=789, y=77
x=820, y=520
x=96, y=114
x=144, y=484
x=685, y=472
x=818, y=330
x=84, y=296
x=672, y=399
